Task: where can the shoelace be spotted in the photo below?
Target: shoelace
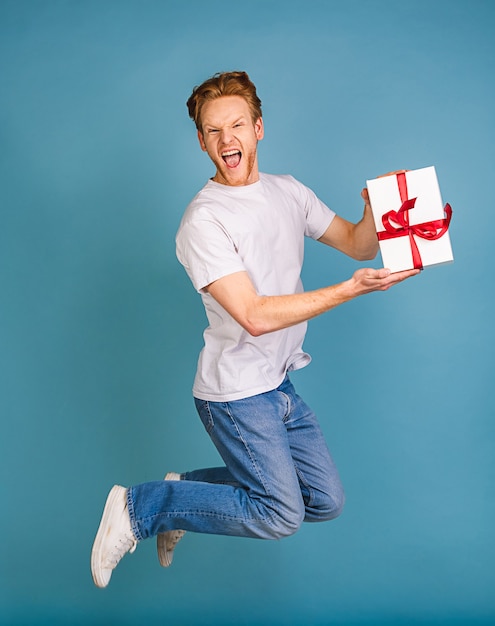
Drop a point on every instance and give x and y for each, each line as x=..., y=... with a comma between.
x=126, y=544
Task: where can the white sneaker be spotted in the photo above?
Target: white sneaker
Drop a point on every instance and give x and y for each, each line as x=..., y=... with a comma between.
x=166, y=542
x=114, y=537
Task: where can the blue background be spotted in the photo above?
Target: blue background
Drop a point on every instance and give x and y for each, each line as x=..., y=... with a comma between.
x=100, y=327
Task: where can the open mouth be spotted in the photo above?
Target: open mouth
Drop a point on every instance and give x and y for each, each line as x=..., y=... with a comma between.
x=232, y=158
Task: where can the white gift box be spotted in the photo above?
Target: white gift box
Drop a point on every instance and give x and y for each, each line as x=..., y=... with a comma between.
x=411, y=220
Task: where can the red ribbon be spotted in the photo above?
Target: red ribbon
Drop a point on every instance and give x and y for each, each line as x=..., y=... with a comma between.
x=396, y=223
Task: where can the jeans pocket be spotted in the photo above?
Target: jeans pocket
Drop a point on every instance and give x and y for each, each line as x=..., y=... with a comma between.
x=204, y=412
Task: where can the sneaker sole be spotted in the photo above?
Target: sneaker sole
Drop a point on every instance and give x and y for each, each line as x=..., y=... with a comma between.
x=113, y=497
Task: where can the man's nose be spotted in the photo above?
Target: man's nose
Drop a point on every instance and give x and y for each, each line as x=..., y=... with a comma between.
x=226, y=136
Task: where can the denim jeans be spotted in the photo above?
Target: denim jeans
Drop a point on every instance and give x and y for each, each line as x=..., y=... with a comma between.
x=278, y=473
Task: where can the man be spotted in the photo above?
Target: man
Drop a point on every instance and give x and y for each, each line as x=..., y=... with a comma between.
x=241, y=241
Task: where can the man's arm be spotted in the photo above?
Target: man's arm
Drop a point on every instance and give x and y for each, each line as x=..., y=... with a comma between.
x=259, y=314
x=359, y=241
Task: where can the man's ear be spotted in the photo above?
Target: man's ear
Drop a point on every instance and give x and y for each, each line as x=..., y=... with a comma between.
x=259, y=128
x=201, y=141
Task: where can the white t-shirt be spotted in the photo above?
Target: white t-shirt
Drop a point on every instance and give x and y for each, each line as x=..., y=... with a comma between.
x=259, y=229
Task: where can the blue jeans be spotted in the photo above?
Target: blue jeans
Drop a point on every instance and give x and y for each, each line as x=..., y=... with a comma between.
x=278, y=473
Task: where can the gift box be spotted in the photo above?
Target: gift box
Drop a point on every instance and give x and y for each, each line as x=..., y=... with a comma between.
x=410, y=218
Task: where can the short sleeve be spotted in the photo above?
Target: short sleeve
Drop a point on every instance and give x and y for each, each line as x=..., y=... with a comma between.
x=207, y=252
x=318, y=215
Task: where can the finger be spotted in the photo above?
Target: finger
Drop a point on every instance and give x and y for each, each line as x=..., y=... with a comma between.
x=407, y=273
x=394, y=173
x=398, y=277
x=382, y=273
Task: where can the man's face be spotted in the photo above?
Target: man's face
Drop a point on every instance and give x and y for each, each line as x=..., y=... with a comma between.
x=230, y=138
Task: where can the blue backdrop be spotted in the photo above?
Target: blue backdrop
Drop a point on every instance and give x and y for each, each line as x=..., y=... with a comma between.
x=100, y=327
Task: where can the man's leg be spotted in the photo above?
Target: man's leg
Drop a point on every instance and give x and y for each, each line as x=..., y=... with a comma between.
x=278, y=472
x=318, y=477
x=264, y=499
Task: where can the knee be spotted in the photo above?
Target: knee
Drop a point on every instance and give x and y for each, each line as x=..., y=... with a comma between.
x=286, y=522
x=326, y=506
x=335, y=505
